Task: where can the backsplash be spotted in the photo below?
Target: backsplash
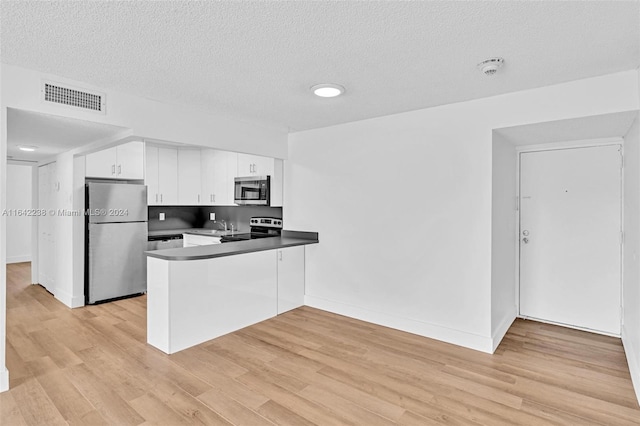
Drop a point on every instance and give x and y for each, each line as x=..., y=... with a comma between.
x=181, y=217
x=176, y=217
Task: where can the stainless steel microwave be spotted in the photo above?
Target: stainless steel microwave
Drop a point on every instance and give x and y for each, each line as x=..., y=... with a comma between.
x=252, y=191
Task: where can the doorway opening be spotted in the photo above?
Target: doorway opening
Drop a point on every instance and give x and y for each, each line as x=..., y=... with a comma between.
x=570, y=236
x=508, y=144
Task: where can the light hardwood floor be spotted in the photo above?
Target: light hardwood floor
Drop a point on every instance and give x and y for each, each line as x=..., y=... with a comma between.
x=92, y=366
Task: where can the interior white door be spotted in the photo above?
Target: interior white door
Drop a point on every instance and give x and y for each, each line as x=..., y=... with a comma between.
x=570, y=237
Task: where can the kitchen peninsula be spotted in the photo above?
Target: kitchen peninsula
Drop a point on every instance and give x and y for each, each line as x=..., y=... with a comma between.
x=195, y=294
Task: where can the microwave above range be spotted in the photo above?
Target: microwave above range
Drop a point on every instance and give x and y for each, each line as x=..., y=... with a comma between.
x=252, y=191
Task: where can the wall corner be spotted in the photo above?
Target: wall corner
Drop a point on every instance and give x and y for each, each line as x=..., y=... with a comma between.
x=633, y=359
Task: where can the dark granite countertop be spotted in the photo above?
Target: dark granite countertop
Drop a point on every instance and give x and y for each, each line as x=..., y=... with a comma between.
x=287, y=239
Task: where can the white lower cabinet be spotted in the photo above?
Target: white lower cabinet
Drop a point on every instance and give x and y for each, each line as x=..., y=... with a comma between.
x=192, y=301
x=290, y=278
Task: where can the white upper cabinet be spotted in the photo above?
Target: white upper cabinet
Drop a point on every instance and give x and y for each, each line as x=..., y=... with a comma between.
x=152, y=175
x=189, y=177
x=162, y=176
x=101, y=164
x=168, y=176
x=124, y=161
x=249, y=165
x=192, y=176
x=130, y=160
x=277, y=183
x=219, y=168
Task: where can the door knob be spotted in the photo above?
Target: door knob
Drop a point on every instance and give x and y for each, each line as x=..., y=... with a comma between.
x=525, y=233
x=525, y=240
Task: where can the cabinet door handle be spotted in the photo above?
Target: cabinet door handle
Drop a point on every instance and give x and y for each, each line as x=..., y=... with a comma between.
x=280, y=254
x=119, y=170
x=113, y=169
x=156, y=198
x=198, y=198
x=214, y=197
x=161, y=198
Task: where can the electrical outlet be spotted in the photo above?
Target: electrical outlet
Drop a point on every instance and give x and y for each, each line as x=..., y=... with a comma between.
x=212, y=216
x=161, y=216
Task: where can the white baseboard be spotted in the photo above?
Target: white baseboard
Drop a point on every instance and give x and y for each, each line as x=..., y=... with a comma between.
x=432, y=331
x=502, y=328
x=69, y=300
x=19, y=259
x=633, y=359
x=4, y=379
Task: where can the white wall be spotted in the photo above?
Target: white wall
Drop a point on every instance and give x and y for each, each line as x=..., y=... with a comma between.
x=64, y=231
x=19, y=227
x=503, y=237
x=78, y=224
x=4, y=373
x=404, y=210
x=34, y=225
x=631, y=261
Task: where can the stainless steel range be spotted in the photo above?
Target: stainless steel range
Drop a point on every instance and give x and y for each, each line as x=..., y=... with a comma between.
x=260, y=227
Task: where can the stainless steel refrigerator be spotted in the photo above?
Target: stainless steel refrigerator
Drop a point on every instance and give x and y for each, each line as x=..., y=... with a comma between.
x=116, y=239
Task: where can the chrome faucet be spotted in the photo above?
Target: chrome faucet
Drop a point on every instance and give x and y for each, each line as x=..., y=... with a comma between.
x=223, y=222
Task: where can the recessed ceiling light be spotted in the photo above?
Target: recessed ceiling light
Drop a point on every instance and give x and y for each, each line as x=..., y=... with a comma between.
x=327, y=90
x=28, y=148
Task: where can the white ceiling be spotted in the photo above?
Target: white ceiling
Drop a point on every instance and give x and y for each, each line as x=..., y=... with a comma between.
x=51, y=134
x=256, y=60
x=575, y=129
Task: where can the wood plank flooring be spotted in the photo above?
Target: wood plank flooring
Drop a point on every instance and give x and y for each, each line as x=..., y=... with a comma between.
x=92, y=366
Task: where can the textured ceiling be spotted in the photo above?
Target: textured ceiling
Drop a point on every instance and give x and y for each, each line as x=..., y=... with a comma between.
x=51, y=134
x=256, y=60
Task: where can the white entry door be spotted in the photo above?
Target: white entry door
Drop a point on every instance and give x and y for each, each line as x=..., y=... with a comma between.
x=570, y=237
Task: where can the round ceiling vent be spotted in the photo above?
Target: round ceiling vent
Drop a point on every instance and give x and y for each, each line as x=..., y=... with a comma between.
x=490, y=66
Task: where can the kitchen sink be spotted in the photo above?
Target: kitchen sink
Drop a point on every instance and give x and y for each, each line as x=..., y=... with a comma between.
x=237, y=237
x=245, y=236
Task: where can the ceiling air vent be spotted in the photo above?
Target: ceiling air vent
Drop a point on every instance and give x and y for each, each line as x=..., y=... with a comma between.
x=73, y=97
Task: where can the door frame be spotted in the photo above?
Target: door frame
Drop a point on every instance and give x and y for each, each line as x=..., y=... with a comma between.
x=556, y=146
